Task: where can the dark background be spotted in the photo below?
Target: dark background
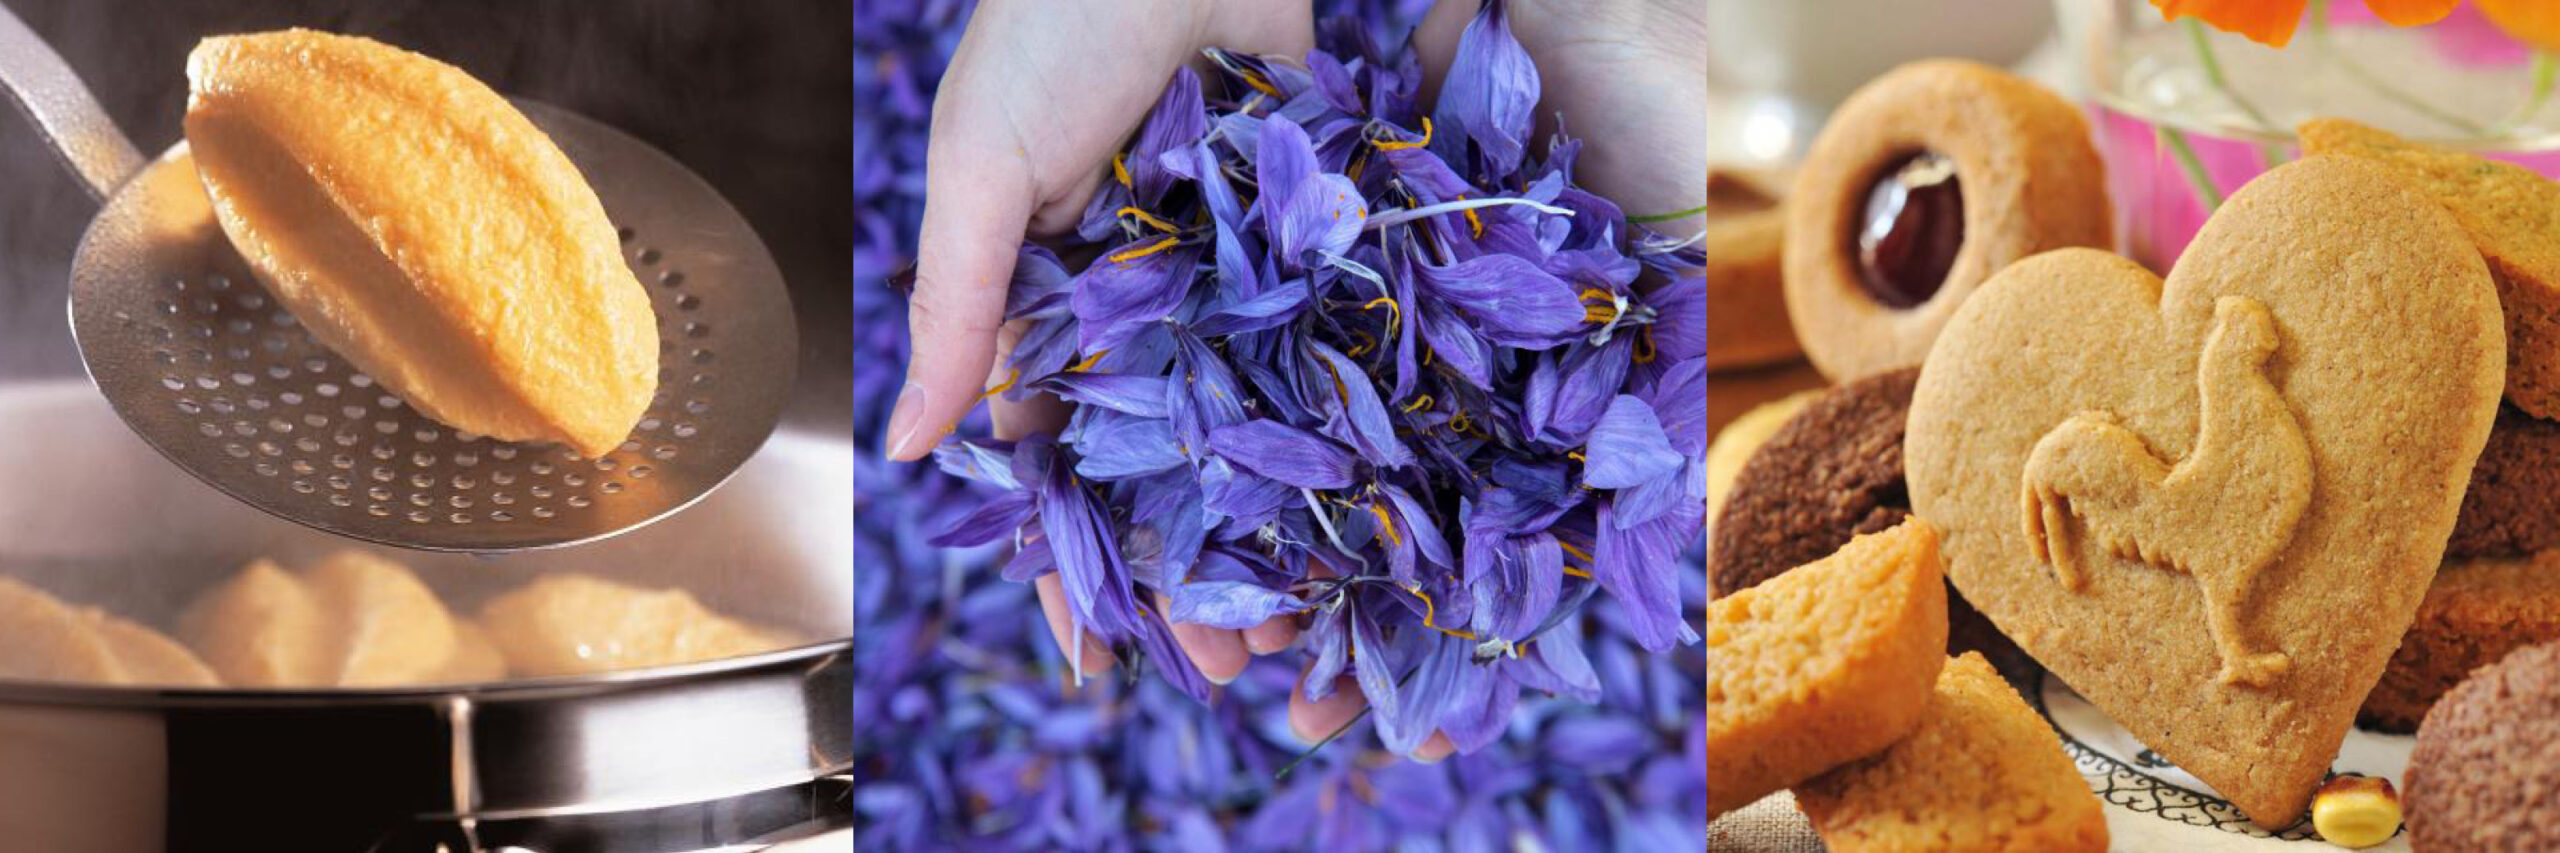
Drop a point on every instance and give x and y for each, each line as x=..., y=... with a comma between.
x=753, y=95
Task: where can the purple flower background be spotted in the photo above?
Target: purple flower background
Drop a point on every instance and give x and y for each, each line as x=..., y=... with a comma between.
x=971, y=733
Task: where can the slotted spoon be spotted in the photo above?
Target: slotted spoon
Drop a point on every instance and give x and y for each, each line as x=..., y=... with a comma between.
x=200, y=361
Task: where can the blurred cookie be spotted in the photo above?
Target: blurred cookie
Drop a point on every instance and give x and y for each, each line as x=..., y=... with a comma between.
x=1831, y=472
x=2512, y=213
x=2476, y=612
x=2512, y=507
x=1984, y=772
x=1746, y=304
x=1825, y=664
x=2483, y=774
x=1925, y=182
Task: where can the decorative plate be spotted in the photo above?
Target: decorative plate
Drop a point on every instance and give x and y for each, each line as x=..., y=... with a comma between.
x=2152, y=805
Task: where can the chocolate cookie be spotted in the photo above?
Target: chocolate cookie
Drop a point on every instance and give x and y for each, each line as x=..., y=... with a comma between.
x=2482, y=776
x=2476, y=612
x=1832, y=472
x=2513, y=507
x=1924, y=183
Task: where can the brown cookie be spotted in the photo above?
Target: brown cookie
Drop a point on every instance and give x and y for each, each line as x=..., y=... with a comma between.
x=1925, y=182
x=1983, y=773
x=1832, y=472
x=2212, y=504
x=1746, y=306
x=2513, y=505
x=2483, y=775
x=1829, y=663
x=2513, y=216
x=2476, y=612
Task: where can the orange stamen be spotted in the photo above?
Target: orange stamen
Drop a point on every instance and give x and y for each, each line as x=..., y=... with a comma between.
x=1127, y=255
x=1120, y=169
x=1387, y=524
x=1006, y=385
x=1393, y=145
x=1148, y=218
x=1088, y=362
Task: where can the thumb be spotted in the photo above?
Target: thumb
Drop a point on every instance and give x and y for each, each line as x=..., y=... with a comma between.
x=977, y=202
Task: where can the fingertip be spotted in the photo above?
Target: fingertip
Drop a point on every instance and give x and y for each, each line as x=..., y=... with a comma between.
x=1274, y=635
x=1094, y=657
x=1217, y=652
x=1435, y=749
x=1312, y=722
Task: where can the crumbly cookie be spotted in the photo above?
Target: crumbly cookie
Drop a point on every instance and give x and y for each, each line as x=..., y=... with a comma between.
x=2482, y=775
x=2512, y=214
x=2477, y=612
x=1738, y=441
x=2213, y=504
x=2513, y=505
x=1746, y=307
x=1822, y=665
x=1982, y=774
x=1974, y=168
x=1832, y=472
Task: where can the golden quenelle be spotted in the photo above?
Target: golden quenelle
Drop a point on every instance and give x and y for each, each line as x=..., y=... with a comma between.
x=425, y=230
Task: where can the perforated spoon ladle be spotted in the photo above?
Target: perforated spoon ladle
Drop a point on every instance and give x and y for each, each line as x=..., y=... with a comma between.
x=200, y=361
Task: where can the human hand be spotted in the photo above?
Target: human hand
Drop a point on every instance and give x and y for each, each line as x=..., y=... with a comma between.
x=1038, y=97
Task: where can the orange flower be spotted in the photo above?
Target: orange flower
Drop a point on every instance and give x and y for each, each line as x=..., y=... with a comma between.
x=2271, y=22
x=2534, y=22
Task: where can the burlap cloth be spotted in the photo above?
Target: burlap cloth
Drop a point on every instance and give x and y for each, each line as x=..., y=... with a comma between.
x=1771, y=825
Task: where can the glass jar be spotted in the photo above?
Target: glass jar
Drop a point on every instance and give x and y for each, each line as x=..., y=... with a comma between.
x=2184, y=114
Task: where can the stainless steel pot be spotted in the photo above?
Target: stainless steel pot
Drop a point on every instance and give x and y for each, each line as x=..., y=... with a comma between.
x=746, y=751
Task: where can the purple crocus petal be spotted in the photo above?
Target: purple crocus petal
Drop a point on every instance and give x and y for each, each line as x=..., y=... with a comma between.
x=1455, y=345
x=1627, y=447
x=1045, y=349
x=1114, y=299
x=1508, y=299
x=978, y=460
x=1541, y=583
x=1597, y=744
x=1040, y=284
x=1277, y=306
x=1101, y=218
x=1230, y=604
x=1636, y=566
x=1031, y=562
x=1481, y=708
x=1333, y=82
x=1286, y=453
x=1680, y=332
x=1567, y=395
x=1156, y=639
x=1428, y=695
x=1428, y=177
x=1652, y=499
x=1284, y=160
x=996, y=519
x=1556, y=664
x=1178, y=120
x=1417, y=525
x=1242, y=495
x=1118, y=448
x=1329, y=635
x=1088, y=556
x=1323, y=215
x=1143, y=396
x=1373, y=664
x=1489, y=94
x=1680, y=398
x=1364, y=414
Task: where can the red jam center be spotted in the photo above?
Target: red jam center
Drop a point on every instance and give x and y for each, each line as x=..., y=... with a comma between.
x=1913, y=226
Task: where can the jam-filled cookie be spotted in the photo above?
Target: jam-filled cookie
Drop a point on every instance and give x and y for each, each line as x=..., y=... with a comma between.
x=1924, y=183
x=1747, y=309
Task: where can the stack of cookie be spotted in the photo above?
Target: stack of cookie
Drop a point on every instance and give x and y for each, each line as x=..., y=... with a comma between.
x=2499, y=588
x=2216, y=504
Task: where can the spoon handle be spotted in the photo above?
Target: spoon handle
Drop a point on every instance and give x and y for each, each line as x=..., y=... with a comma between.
x=64, y=111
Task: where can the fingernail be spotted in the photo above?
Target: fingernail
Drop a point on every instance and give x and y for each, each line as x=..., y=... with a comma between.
x=1222, y=682
x=906, y=418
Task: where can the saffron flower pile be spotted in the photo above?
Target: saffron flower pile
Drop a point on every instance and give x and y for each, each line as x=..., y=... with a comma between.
x=1388, y=371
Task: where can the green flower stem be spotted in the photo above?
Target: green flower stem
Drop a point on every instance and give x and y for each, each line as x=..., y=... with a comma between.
x=2544, y=69
x=2328, y=48
x=2213, y=74
x=1666, y=217
x=2176, y=141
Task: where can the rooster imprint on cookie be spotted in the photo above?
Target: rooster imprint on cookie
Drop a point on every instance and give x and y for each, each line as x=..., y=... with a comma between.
x=2221, y=515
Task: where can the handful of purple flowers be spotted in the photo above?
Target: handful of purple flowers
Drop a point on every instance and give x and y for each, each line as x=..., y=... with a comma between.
x=1385, y=369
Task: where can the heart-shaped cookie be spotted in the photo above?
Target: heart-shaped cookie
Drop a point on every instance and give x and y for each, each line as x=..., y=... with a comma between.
x=2212, y=504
